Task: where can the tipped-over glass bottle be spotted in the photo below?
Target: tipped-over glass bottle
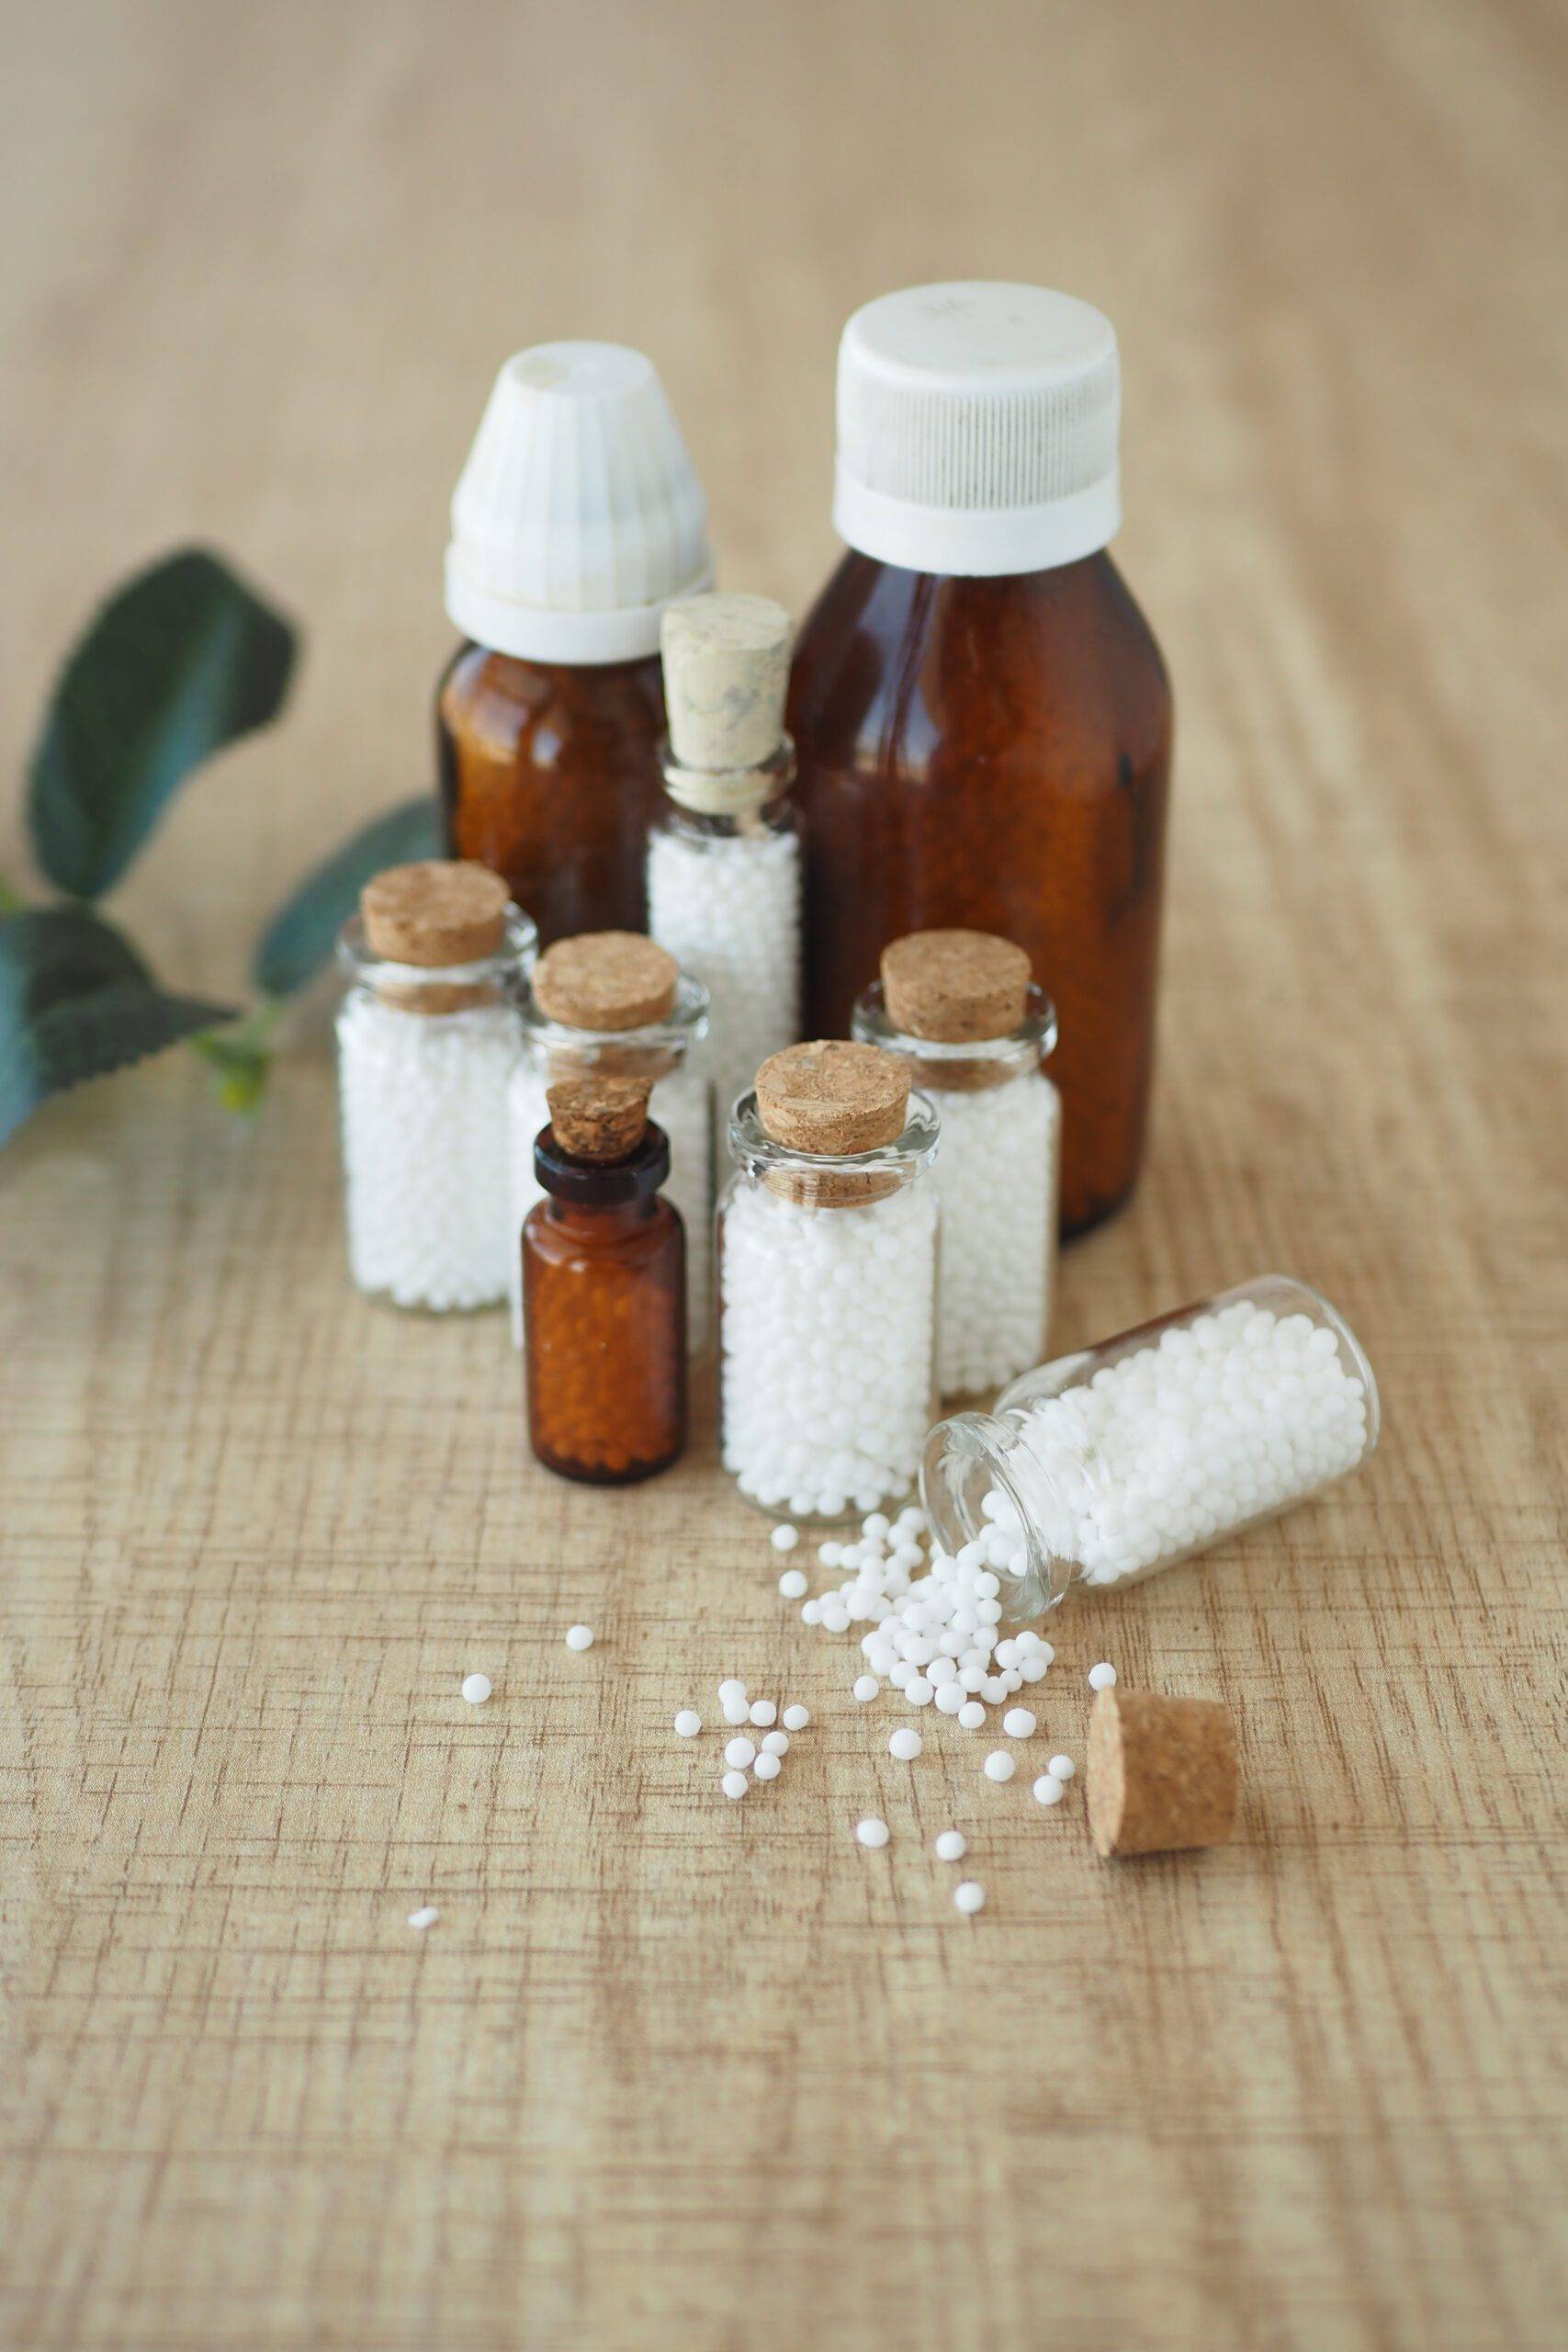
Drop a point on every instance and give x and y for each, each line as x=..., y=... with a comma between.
x=1122, y=1459
x=577, y=519
x=981, y=717
x=603, y=1279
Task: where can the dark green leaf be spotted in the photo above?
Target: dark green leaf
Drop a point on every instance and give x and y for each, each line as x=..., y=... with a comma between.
x=77, y=1000
x=180, y=661
x=299, y=938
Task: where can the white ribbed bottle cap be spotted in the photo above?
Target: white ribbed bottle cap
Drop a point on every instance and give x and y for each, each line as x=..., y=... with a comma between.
x=579, y=515
x=977, y=429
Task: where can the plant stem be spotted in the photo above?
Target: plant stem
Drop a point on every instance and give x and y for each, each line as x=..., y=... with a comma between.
x=11, y=900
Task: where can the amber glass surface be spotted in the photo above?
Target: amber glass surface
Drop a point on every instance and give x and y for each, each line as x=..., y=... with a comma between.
x=605, y=1314
x=994, y=754
x=550, y=774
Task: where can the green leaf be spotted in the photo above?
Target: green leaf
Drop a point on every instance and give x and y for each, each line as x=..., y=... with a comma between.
x=75, y=1002
x=180, y=661
x=300, y=937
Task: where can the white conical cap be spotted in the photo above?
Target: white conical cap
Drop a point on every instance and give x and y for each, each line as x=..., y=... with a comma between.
x=977, y=429
x=579, y=515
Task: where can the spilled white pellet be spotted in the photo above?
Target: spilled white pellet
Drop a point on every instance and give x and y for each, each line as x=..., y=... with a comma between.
x=764, y=1711
x=579, y=1637
x=1019, y=1723
x=775, y=1743
x=871, y=1832
x=969, y=1896
x=1048, y=1790
x=865, y=1687
x=688, y=1722
x=1101, y=1677
x=766, y=1767
x=952, y=1845
x=476, y=1688
x=1000, y=1765
x=426, y=1916
x=905, y=1745
x=796, y=1718
x=735, y=1784
x=740, y=1753
x=784, y=1539
x=1061, y=1768
x=794, y=1583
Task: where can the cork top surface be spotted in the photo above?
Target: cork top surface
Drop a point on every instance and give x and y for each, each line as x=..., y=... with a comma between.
x=438, y=911
x=955, y=987
x=606, y=980
x=595, y=1116
x=832, y=1097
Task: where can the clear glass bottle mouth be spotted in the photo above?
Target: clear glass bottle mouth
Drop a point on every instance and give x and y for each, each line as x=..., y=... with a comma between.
x=684, y=1025
x=756, y=1152
x=504, y=971
x=1015, y=1052
x=965, y=1459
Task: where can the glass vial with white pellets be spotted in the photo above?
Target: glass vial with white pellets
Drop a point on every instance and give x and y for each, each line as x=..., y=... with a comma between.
x=962, y=1009
x=1125, y=1458
x=615, y=1004
x=827, y=1254
x=428, y=1036
x=724, y=856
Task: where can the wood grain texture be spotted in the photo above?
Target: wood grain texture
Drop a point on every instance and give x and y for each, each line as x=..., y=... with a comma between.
x=670, y=2072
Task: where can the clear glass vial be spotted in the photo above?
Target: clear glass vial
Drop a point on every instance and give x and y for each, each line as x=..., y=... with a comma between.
x=827, y=1326
x=997, y=1178
x=428, y=1036
x=665, y=1052
x=1123, y=1459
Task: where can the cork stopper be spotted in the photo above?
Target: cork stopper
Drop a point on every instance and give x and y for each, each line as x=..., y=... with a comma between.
x=606, y=980
x=438, y=912
x=726, y=668
x=955, y=988
x=832, y=1097
x=596, y=1117
x=1162, y=1773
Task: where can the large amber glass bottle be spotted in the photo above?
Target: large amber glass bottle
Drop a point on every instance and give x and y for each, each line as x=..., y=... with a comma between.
x=577, y=521
x=981, y=715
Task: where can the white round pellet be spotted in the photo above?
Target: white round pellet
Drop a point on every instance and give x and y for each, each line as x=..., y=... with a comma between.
x=796, y=1718
x=952, y=1845
x=865, y=1685
x=871, y=1832
x=579, y=1637
x=735, y=1784
x=1000, y=1765
x=766, y=1767
x=877, y=1524
x=736, y=1711
x=775, y=1743
x=1061, y=1768
x=784, y=1539
x=791, y=1584
x=764, y=1711
x=476, y=1688
x=949, y=1699
x=426, y=1916
x=740, y=1753
x=1019, y=1723
x=905, y=1745
x=971, y=1714
x=688, y=1722
x=969, y=1896
x=1049, y=1790
x=919, y=1692
x=1101, y=1677
x=730, y=1690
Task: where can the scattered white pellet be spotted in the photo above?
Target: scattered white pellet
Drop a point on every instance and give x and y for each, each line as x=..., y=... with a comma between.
x=476, y=1688
x=740, y=1753
x=731, y=1689
x=1048, y=1790
x=426, y=1916
x=1000, y=1765
x=969, y=1896
x=796, y=1718
x=688, y=1722
x=1101, y=1677
x=1061, y=1768
x=579, y=1637
x=1019, y=1723
x=865, y=1687
x=793, y=1584
x=775, y=1743
x=764, y=1711
x=949, y=1699
x=785, y=1538
x=904, y=1744
x=952, y=1845
x=971, y=1714
x=736, y=1711
x=735, y=1784
x=767, y=1766
x=871, y=1832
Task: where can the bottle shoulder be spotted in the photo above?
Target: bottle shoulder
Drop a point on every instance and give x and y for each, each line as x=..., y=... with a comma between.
x=500, y=698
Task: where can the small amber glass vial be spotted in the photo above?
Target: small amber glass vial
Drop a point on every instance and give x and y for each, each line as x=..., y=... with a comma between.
x=604, y=1291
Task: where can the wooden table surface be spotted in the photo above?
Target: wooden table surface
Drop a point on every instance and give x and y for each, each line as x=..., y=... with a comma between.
x=670, y=2072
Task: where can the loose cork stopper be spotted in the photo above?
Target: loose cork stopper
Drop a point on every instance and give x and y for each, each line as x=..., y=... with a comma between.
x=1162, y=1773
x=833, y=1098
x=726, y=668
x=606, y=980
x=597, y=1118
x=438, y=912
x=955, y=987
